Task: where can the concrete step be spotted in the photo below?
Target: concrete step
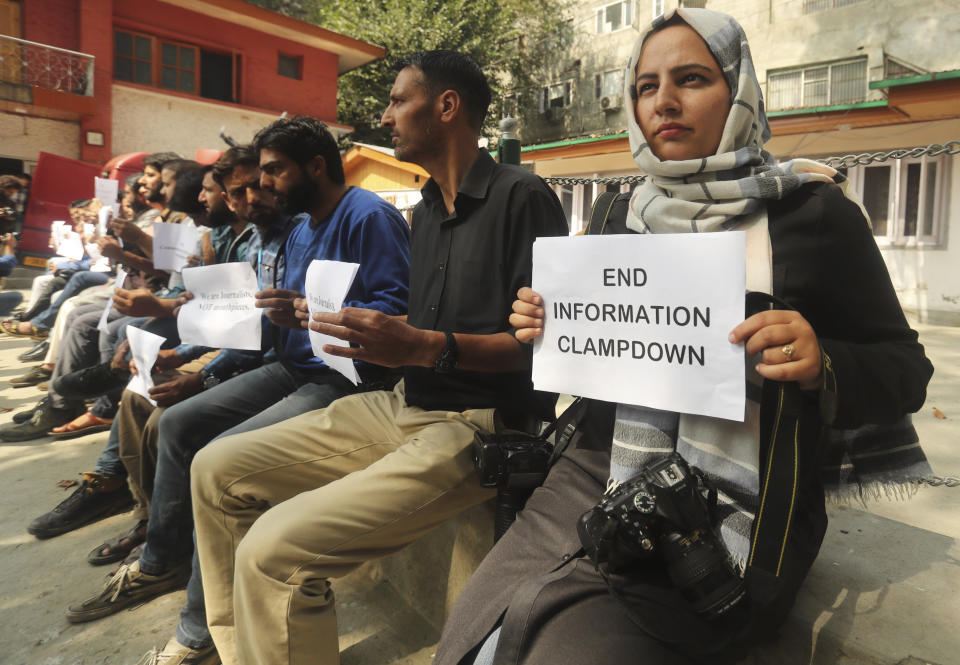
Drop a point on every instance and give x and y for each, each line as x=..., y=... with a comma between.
x=22, y=277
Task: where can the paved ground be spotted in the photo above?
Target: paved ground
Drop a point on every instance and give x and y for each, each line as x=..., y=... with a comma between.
x=884, y=591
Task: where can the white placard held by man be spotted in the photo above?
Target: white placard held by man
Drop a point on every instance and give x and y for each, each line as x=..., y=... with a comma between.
x=144, y=347
x=327, y=284
x=71, y=246
x=643, y=319
x=172, y=244
x=222, y=313
x=105, y=189
x=117, y=284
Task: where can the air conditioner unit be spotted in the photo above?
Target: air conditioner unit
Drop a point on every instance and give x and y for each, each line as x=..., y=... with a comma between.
x=611, y=102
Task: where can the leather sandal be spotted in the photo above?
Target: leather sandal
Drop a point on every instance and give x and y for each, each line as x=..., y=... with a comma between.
x=117, y=549
x=85, y=423
x=12, y=328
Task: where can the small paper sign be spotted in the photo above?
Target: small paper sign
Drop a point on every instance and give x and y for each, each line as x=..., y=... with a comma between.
x=105, y=189
x=172, y=244
x=71, y=246
x=222, y=314
x=643, y=319
x=144, y=347
x=103, y=219
x=117, y=284
x=327, y=284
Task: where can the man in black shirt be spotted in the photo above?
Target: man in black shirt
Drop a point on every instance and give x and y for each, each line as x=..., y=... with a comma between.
x=374, y=471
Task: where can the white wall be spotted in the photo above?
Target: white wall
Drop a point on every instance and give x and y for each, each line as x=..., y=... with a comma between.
x=927, y=280
x=147, y=121
x=23, y=137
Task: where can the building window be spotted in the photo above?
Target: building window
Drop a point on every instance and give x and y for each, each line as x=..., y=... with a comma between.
x=178, y=67
x=820, y=85
x=609, y=83
x=812, y=6
x=133, y=58
x=290, y=66
x=147, y=60
x=657, y=6
x=615, y=16
x=696, y=4
x=904, y=199
x=556, y=96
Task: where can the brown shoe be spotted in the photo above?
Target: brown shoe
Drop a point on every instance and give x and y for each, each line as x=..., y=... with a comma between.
x=175, y=653
x=128, y=587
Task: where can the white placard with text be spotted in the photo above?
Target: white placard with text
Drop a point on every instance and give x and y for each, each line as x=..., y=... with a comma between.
x=144, y=347
x=327, y=284
x=172, y=244
x=643, y=319
x=117, y=284
x=105, y=189
x=222, y=314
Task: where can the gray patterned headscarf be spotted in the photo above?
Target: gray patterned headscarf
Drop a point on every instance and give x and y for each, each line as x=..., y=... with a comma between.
x=721, y=192
x=725, y=191
x=712, y=193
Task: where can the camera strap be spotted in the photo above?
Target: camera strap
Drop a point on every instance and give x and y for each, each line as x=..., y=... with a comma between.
x=566, y=427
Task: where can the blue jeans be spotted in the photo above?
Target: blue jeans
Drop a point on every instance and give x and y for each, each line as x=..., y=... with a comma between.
x=9, y=300
x=109, y=462
x=77, y=283
x=273, y=393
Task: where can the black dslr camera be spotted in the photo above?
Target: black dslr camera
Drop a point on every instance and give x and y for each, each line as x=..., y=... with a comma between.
x=515, y=464
x=663, y=509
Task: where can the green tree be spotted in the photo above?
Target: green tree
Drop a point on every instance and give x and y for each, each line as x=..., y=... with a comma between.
x=511, y=39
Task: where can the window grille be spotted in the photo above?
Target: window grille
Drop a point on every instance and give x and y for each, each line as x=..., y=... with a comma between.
x=821, y=85
x=812, y=6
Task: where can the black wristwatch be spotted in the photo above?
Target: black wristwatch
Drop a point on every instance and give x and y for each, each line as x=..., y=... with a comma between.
x=446, y=362
x=208, y=379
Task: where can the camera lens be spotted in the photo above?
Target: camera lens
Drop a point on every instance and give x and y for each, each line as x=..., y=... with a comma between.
x=698, y=566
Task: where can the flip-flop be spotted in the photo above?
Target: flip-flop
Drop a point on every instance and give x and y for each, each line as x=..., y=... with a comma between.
x=71, y=431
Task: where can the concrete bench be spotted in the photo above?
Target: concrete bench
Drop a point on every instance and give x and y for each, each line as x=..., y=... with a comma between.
x=880, y=593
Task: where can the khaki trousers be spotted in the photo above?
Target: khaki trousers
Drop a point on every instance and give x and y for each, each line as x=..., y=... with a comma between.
x=280, y=510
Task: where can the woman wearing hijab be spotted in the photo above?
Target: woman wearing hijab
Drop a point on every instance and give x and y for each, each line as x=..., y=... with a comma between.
x=832, y=373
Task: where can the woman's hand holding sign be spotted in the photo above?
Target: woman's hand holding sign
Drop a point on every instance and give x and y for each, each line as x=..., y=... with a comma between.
x=790, y=348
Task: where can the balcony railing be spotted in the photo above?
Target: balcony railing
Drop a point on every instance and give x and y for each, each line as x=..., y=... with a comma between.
x=24, y=63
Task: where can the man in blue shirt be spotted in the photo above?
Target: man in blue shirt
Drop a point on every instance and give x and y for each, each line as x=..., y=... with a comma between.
x=341, y=224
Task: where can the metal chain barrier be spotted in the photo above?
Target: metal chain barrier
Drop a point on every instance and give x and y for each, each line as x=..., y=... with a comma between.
x=610, y=180
x=938, y=481
x=837, y=162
